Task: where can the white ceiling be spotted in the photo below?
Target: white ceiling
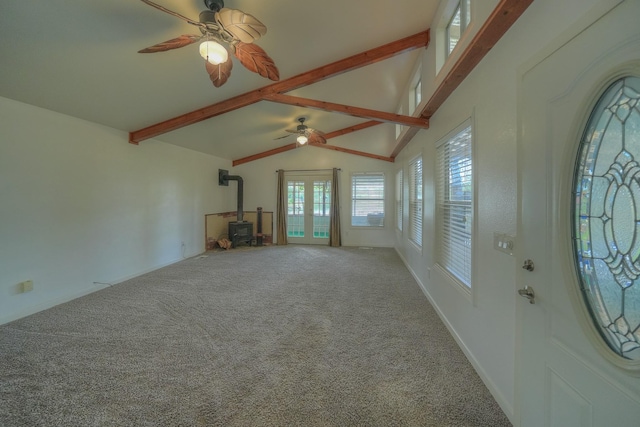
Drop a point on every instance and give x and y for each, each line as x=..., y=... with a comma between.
x=79, y=57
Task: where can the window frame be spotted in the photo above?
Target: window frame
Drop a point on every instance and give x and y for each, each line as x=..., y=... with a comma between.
x=460, y=276
x=374, y=222
x=417, y=92
x=416, y=204
x=464, y=7
x=399, y=199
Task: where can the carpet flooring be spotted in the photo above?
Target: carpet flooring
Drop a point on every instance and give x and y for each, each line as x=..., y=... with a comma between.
x=270, y=336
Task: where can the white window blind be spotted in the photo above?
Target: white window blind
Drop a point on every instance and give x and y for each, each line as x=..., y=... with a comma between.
x=415, y=201
x=455, y=205
x=399, y=199
x=367, y=195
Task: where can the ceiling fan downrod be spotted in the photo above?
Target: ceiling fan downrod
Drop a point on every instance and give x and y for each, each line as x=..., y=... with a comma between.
x=214, y=5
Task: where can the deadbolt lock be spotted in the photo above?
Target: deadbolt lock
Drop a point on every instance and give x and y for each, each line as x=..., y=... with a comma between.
x=528, y=265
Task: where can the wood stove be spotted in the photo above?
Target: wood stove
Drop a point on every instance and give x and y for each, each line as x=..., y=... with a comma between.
x=239, y=231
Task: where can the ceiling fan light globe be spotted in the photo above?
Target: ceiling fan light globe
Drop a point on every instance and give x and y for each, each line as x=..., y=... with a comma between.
x=302, y=139
x=213, y=52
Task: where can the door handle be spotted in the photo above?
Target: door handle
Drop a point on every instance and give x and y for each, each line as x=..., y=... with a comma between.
x=528, y=265
x=528, y=293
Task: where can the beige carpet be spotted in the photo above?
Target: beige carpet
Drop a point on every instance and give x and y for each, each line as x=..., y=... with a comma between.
x=271, y=336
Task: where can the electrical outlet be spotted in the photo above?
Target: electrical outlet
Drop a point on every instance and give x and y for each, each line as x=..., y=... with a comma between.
x=26, y=286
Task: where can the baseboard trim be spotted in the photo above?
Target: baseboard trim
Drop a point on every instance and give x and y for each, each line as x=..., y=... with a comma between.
x=94, y=287
x=495, y=392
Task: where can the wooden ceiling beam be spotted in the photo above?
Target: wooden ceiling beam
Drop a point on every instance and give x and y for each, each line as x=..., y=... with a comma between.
x=497, y=24
x=329, y=135
x=265, y=154
x=403, y=140
x=354, y=152
x=347, y=64
x=349, y=110
x=351, y=129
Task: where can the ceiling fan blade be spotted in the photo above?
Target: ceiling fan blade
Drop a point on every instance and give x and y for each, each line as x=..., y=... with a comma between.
x=281, y=137
x=181, y=41
x=255, y=59
x=219, y=74
x=241, y=26
x=172, y=13
x=316, y=137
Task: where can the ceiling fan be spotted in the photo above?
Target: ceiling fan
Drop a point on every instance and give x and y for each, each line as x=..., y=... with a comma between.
x=220, y=25
x=306, y=134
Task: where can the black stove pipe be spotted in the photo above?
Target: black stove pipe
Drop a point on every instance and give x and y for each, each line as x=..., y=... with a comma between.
x=224, y=178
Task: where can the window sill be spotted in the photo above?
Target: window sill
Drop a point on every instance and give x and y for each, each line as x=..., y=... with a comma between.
x=455, y=282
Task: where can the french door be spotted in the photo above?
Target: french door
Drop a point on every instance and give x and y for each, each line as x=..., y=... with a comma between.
x=309, y=209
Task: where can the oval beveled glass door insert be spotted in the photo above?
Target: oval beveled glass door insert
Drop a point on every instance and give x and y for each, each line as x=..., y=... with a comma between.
x=606, y=219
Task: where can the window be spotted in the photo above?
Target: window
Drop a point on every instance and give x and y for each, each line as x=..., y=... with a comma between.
x=415, y=201
x=457, y=25
x=321, y=208
x=417, y=93
x=399, y=128
x=295, y=208
x=605, y=228
x=399, y=199
x=455, y=204
x=367, y=194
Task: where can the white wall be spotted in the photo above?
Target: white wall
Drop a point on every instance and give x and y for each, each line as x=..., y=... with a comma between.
x=484, y=325
x=260, y=187
x=79, y=204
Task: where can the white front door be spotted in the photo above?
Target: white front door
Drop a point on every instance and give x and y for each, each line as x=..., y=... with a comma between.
x=563, y=379
x=309, y=209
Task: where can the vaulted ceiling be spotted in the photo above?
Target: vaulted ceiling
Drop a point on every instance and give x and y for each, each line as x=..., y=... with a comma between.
x=343, y=65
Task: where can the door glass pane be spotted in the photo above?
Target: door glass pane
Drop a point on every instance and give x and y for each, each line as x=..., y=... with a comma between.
x=295, y=207
x=321, y=209
x=606, y=219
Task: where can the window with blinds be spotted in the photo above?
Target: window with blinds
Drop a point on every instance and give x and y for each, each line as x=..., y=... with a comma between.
x=415, y=201
x=399, y=199
x=455, y=204
x=367, y=195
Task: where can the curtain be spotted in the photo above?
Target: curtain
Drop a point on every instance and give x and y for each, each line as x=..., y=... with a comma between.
x=281, y=228
x=334, y=225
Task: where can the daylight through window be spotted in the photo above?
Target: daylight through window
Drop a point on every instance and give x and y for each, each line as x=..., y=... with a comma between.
x=367, y=195
x=455, y=205
x=457, y=25
x=415, y=201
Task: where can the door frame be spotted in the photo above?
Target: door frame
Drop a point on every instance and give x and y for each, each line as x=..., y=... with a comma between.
x=308, y=178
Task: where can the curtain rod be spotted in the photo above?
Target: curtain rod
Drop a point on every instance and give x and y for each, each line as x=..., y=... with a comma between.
x=308, y=170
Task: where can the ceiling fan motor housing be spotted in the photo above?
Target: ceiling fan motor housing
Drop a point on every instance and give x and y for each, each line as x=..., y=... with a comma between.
x=207, y=16
x=214, y=5
x=301, y=127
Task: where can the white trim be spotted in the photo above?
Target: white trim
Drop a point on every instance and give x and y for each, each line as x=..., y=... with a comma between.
x=93, y=287
x=468, y=290
x=486, y=379
x=384, y=201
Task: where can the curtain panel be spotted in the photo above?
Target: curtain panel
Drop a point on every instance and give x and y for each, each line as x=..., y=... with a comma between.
x=281, y=223
x=334, y=225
